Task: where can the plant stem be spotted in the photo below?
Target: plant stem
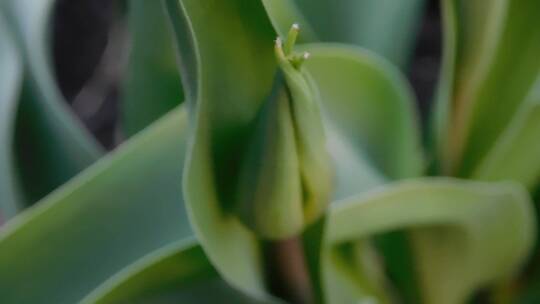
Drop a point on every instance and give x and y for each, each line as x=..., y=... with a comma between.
x=286, y=270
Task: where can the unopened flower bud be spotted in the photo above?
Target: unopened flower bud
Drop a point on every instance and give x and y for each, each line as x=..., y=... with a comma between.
x=286, y=176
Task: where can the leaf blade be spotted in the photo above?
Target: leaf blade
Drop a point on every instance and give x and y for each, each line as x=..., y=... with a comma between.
x=152, y=86
x=178, y=272
x=224, y=94
x=44, y=117
x=104, y=215
x=369, y=102
x=433, y=208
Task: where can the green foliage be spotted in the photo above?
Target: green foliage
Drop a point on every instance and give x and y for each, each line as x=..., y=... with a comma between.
x=293, y=172
x=122, y=208
x=151, y=86
x=50, y=145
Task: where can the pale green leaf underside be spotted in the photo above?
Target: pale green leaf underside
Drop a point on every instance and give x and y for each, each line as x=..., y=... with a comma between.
x=52, y=145
x=511, y=75
x=10, y=82
x=178, y=273
x=468, y=47
x=152, y=85
x=120, y=209
x=367, y=100
x=386, y=27
x=465, y=235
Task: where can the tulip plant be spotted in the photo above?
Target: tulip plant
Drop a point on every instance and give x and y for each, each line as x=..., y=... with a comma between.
x=282, y=162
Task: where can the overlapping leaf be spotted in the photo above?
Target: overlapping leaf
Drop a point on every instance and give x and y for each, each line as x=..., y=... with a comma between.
x=10, y=81
x=465, y=235
x=152, y=86
x=122, y=208
x=491, y=64
x=370, y=103
x=52, y=146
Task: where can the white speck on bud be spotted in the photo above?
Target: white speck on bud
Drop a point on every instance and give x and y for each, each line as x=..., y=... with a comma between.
x=284, y=48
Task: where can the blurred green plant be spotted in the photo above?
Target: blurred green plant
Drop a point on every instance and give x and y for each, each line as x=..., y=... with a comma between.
x=294, y=172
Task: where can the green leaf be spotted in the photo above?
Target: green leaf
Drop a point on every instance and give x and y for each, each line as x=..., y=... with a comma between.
x=465, y=236
x=493, y=50
x=386, y=27
x=354, y=173
x=152, y=86
x=178, y=273
x=120, y=209
x=368, y=101
x=515, y=154
x=269, y=195
x=225, y=87
x=52, y=145
x=10, y=81
x=383, y=26
x=370, y=116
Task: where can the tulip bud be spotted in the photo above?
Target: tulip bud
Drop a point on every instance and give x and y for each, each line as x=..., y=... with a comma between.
x=286, y=177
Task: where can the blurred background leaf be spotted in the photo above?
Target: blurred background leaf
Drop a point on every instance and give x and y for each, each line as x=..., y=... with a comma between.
x=10, y=82
x=490, y=68
x=519, y=144
x=51, y=144
x=152, y=86
x=225, y=87
x=369, y=101
x=386, y=27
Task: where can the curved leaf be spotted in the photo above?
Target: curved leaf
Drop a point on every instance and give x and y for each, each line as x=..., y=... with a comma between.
x=177, y=273
x=120, y=209
x=10, y=81
x=515, y=154
x=226, y=48
x=52, y=145
x=369, y=102
x=354, y=173
x=152, y=86
x=465, y=235
x=495, y=49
